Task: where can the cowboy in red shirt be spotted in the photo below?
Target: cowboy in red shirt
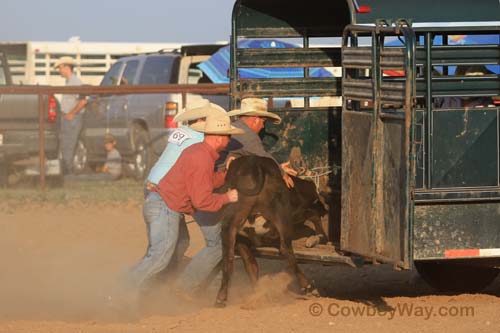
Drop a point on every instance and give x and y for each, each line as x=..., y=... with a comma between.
x=187, y=187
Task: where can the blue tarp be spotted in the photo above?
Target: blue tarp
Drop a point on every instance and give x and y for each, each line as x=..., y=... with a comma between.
x=217, y=66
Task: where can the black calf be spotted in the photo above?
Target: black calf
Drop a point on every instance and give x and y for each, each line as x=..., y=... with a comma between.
x=262, y=191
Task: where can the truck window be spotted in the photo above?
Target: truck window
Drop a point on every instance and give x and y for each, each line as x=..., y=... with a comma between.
x=194, y=75
x=157, y=70
x=129, y=72
x=111, y=77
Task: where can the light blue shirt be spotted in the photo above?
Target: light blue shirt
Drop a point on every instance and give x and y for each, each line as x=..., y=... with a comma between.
x=179, y=139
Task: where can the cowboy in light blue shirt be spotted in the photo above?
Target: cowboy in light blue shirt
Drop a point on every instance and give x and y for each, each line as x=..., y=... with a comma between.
x=179, y=139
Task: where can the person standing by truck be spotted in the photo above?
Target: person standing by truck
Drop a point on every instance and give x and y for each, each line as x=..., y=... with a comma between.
x=72, y=107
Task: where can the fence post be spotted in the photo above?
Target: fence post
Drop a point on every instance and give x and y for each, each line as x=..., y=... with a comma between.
x=41, y=140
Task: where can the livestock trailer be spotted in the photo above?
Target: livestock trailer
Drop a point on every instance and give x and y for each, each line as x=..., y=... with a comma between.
x=409, y=161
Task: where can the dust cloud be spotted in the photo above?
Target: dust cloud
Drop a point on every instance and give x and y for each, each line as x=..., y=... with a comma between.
x=60, y=264
x=66, y=263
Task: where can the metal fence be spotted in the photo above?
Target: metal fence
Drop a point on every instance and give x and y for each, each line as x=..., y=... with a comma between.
x=42, y=91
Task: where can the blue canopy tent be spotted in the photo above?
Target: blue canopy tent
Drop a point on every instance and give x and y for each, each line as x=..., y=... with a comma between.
x=216, y=68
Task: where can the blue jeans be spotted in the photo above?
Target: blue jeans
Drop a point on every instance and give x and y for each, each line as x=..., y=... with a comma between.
x=70, y=130
x=182, y=241
x=205, y=261
x=162, y=225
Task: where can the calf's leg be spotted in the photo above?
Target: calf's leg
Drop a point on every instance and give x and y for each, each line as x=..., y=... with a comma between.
x=319, y=229
x=229, y=230
x=243, y=247
x=280, y=222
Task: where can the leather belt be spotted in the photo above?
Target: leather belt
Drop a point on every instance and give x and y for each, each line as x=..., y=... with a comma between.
x=151, y=187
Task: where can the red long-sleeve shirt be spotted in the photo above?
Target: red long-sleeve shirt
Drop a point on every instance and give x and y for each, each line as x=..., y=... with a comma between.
x=190, y=182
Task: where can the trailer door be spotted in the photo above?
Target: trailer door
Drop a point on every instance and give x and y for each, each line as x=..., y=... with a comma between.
x=377, y=130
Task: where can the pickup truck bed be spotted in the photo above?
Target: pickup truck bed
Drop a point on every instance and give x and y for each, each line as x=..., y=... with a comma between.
x=19, y=132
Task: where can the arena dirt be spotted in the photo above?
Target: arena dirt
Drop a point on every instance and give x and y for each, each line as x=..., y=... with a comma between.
x=61, y=263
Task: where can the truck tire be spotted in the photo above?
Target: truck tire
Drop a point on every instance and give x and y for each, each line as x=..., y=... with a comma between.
x=142, y=156
x=81, y=157
x=452, y=277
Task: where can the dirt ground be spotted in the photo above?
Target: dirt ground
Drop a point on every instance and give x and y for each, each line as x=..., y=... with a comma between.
x=59, y=264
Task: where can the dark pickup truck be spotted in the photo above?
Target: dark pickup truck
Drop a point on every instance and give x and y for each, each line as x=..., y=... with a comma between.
x=141, y=122
x=19, y=133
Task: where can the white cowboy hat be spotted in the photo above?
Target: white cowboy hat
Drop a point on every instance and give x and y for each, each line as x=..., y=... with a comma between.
x=256, y=107
x=64, y=61
x=217, y=124
x=199, y=109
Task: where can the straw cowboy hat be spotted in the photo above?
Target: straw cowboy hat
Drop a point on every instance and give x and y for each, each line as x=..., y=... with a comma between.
x=256, y=107
x=199, y=109
x=64, y=61
x=217, y=124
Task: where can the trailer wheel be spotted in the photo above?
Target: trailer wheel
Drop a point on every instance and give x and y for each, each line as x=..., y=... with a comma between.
x=451, y=277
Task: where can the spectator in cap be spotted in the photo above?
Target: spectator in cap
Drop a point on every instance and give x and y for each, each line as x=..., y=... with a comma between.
x=72, y=107
x=113, y=164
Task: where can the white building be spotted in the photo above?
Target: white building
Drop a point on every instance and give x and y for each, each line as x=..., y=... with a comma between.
x=32, y=62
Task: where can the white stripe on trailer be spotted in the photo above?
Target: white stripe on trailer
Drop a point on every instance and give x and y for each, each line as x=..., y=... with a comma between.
x=489, y=252
x=456, y=24
x=447, y=24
